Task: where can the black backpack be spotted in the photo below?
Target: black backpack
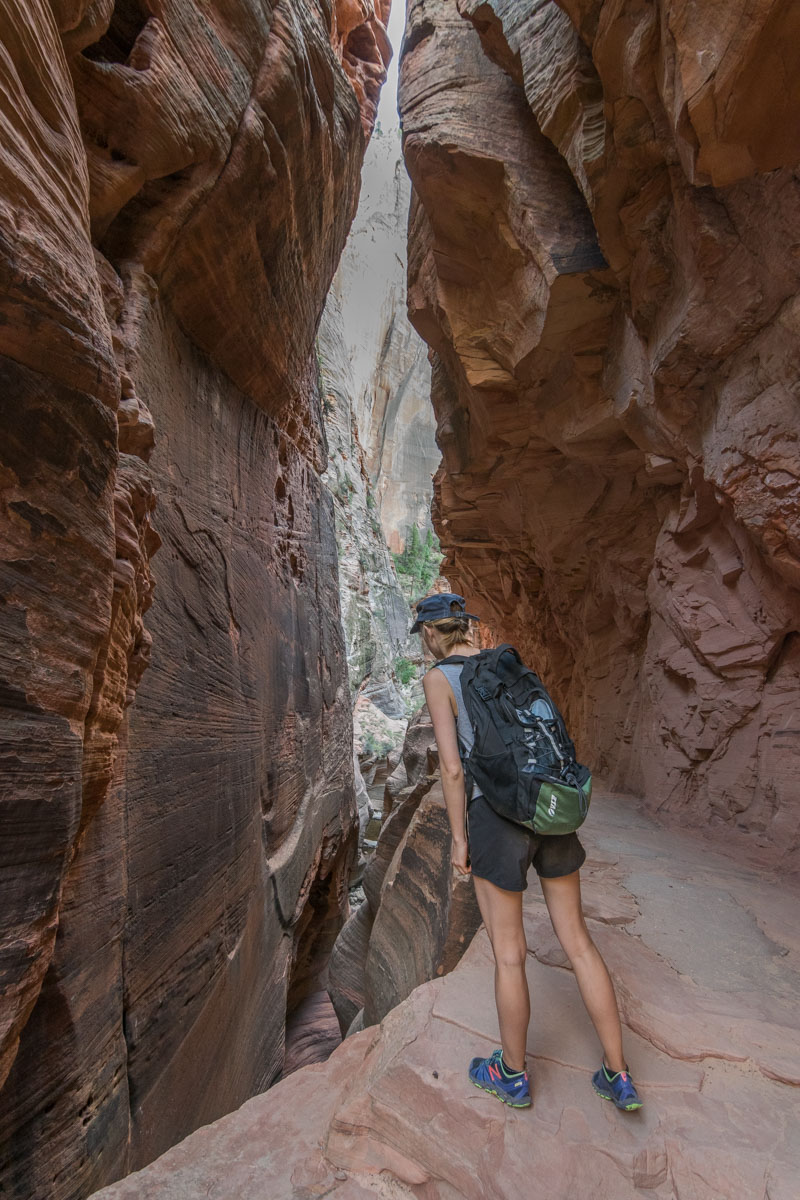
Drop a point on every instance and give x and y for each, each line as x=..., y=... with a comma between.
x=523, y=759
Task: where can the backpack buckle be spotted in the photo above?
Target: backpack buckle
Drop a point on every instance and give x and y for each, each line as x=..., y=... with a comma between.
x=483, y=691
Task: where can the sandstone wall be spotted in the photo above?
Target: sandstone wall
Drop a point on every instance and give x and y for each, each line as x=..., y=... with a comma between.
x=177, y=184
x=382, y=454
x=602, y=256
x=418, y=916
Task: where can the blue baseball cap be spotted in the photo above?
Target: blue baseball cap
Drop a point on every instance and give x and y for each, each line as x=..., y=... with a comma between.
x=439, y=606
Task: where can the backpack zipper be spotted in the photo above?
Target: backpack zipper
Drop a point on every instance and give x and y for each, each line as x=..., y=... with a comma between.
x=543, y=729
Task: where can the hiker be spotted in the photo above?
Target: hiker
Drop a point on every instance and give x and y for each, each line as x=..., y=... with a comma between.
x=499, y=852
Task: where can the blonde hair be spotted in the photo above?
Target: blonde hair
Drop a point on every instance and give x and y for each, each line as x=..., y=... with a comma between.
x=453, y=630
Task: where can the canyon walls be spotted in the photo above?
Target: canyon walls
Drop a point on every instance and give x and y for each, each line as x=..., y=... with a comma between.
x=176, y=186
x=603, y=258
x=711, y=1036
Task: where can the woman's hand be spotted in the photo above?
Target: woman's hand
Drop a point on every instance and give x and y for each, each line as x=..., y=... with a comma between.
x=459, y=855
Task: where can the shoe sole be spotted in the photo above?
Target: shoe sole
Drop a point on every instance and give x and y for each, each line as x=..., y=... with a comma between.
x=502, y=1099
x=636, y=1104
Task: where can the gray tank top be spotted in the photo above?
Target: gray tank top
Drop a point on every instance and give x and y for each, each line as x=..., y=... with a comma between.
x=466, y=734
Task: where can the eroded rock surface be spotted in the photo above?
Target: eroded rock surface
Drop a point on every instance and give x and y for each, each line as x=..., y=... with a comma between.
x=705, y=956
x=602, y=258
x=381, y=449
x=312, y=1033
x=177, y=184
x=418, y=915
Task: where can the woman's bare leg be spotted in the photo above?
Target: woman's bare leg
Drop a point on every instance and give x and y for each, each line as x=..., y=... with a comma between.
x=563, y=899
x=502, y=916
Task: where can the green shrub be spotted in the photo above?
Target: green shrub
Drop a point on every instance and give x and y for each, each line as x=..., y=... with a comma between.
x=405, y=670
x=418, y=565
x=374, y=747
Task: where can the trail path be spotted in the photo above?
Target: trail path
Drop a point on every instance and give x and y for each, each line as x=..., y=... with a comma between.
x=706, y=957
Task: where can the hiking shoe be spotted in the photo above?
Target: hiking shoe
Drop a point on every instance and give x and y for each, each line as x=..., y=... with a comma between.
x=489, y=1074
x=618, y=1088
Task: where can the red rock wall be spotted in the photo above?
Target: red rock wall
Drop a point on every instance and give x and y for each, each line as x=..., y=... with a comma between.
x=603, y=259
x=177, y=182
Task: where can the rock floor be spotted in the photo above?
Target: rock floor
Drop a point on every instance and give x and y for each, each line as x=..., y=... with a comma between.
x=705, y=953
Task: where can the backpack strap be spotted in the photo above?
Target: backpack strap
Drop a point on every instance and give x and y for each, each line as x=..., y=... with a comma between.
x=494, y=668
x=458, y=660
x=488, y=675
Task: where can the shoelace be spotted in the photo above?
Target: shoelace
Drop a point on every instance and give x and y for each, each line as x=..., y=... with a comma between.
x=495, y=1070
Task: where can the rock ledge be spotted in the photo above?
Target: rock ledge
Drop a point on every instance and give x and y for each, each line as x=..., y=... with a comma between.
x=707, y=963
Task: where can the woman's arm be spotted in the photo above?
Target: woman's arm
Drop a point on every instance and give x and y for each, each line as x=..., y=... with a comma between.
x=439, y=697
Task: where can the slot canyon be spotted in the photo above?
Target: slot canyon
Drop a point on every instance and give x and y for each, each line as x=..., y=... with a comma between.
x=275, y=362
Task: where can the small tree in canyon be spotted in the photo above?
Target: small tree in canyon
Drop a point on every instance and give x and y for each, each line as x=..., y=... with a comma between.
x=418, y=564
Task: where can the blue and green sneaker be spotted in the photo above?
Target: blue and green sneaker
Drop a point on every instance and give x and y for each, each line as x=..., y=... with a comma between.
x=618, y=1088
x=491, y=1075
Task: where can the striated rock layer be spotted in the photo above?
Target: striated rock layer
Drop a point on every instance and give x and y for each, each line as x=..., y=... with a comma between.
x=418, y=916
x=176, y=185
x=603, y=258
x=711, y=1034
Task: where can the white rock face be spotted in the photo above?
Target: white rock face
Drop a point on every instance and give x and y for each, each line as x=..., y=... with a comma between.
x=388, y=360
x=375, y=614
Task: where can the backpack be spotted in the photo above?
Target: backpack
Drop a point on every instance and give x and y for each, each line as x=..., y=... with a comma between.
x=523, y=759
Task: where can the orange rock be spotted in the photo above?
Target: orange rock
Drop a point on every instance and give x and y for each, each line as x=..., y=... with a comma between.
x=599, y=257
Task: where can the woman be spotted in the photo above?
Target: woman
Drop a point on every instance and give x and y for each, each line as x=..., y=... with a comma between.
x=499, y=854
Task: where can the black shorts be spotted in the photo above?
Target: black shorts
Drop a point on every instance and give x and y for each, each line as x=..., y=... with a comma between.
x=502, y=851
